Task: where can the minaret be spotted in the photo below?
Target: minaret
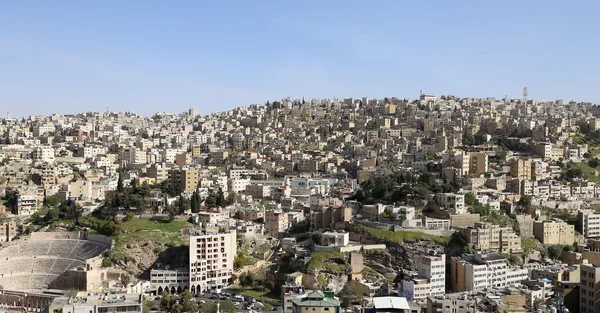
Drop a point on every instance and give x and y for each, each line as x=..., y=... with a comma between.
x=8, y=115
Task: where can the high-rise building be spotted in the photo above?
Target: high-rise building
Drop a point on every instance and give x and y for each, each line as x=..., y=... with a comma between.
x=589, y=294
x=211, y=259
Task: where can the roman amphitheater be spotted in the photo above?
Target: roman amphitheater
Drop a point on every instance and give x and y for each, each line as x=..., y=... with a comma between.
x=53, y=261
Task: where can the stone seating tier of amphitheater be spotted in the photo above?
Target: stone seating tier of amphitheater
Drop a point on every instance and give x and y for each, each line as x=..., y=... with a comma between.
x=35, y=263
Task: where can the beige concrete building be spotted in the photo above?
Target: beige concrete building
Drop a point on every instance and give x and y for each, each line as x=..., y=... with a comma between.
x=8, y=231
x=451, y=303
x=276, y=222
x=159, y=172
x=211, y=260
x=478, y=163
x=589, y=295
x=521, y=169
x=486, y=236
x=186, y=178
x=554, y=232
x=258, y=191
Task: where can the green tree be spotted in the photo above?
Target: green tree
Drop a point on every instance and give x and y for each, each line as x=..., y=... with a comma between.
x=230, y=198
x=167, y=302
x=211, y=201
x=51, y=216
x=483, y=210
x=11, y=196
x=226, y=306
x=35, y=217
x=53, y=201
x=349, y=295
x=120, y=183
x=525, y=201
x=239, y=260
x=70, y=210
x=125, y=280
x=220, y=198
x=187, y=302
x=111, y=228
x=470, y=198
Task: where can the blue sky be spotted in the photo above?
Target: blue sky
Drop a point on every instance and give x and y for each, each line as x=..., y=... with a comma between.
x=148, y=56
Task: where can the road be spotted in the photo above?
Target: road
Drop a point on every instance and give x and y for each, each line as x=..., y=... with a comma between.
x=211, y=297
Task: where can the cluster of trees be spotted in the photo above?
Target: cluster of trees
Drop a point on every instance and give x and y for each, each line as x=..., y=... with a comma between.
x=401, y=187
x=133, y=197
x=469, y=140
x=349, y=295
x=555, y=251
x=195, y=202
x=171, y=189
x=217, y=199
x=169, y=304
x=477, y=207
x=388, y=213
x=11, y=198
x=512, y=144
x=67, y=210
x=572, y=172
x=226, y=306
x=249, y=280
x=178, y=207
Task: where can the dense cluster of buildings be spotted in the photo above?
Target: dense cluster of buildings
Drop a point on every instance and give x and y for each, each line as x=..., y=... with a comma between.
x=523, y=172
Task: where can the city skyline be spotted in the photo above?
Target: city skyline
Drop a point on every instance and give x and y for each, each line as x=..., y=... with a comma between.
x=70, y=57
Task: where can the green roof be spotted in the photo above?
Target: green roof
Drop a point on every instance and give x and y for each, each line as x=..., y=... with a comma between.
x=316, y=298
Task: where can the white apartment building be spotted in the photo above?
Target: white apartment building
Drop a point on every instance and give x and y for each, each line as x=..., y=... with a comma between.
x=171, y=280
x=341, y=239
x=43, y=154
x=453, y=202
x=26, y=204
x=40, y=130
x=238, y=185
x=431, y=278
x=309, y=183
x=211, y=260
x=484, y=269
x=590, y=224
